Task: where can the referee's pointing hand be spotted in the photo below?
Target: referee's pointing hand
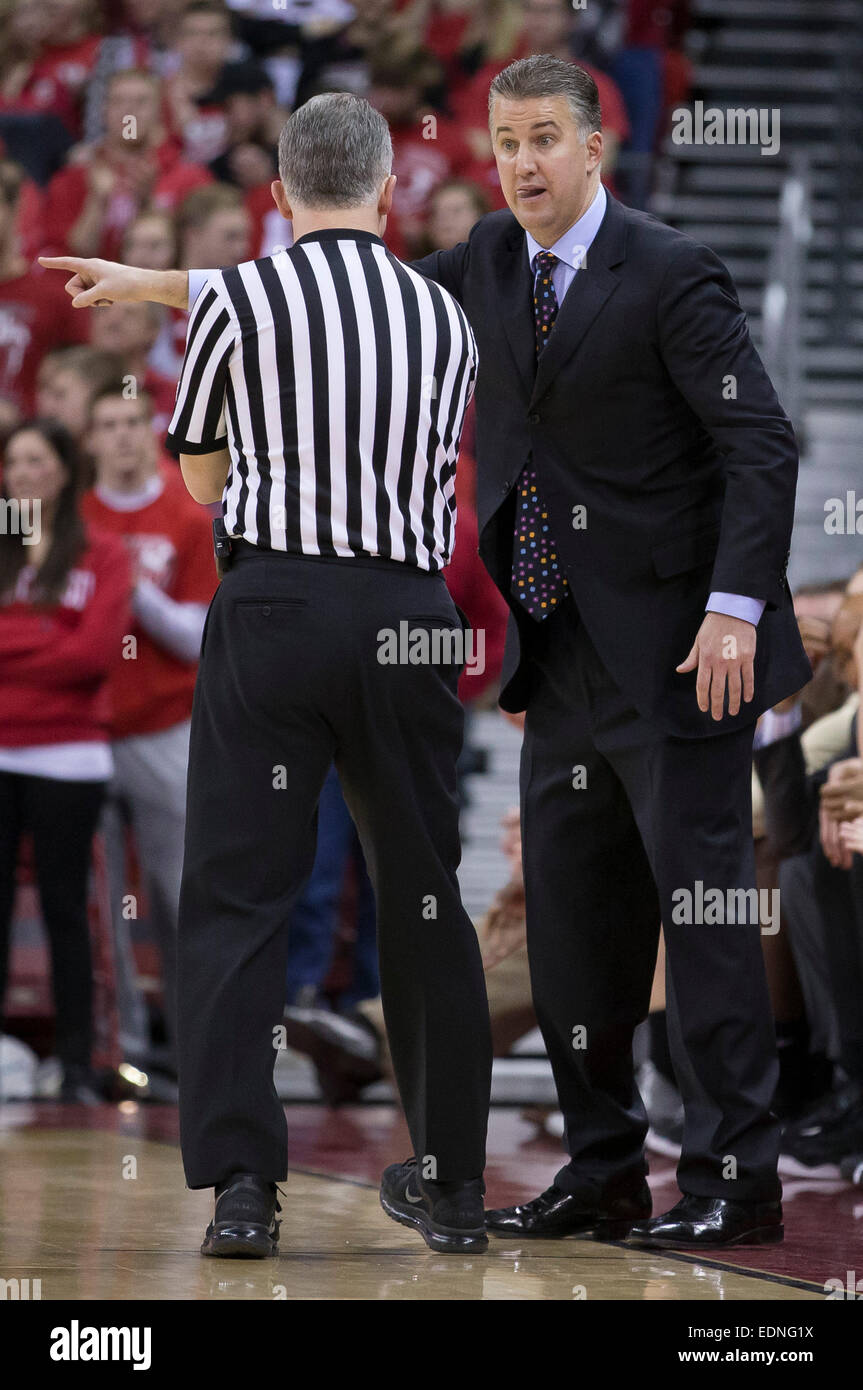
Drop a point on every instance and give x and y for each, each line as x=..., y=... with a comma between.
x=96, y=283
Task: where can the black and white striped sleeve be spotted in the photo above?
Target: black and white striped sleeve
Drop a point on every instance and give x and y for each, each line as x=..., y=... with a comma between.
x=198, y=423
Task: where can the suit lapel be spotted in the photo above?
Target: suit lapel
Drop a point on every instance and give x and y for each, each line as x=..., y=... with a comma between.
x=515, y=304
x=592, y=285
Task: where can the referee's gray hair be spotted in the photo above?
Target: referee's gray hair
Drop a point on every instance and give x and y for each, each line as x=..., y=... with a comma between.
x=545, y=76
x=335, y=151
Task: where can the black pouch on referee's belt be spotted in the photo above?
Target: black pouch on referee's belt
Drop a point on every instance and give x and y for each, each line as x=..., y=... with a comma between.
x=223, y=548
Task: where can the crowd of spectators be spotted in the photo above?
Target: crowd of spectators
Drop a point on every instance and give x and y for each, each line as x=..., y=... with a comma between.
x=146, y=130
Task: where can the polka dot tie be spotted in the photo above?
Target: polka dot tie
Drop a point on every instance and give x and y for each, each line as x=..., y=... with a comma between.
x=538, y=582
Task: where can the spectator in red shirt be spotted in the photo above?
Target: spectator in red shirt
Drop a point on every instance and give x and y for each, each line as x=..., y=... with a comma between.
x=151, y=240
x=51, y=50
x=454, y=207
x=250, y=162
x=465, y=34
x=169, y=540
x=251, y=110
x=198, y=92
x=427, y=147
x=90, y=203
x=66, y=382
x=129, y=332
x=214, y=228
x=63, y=612
x=33, y=316
x=155, y=21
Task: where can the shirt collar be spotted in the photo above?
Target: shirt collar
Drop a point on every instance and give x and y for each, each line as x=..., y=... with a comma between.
x=340, y=234
x=131, y=501
x=571, y=247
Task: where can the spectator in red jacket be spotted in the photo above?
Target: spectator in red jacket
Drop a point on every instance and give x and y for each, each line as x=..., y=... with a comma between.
x=63, y=612
x=89, y=204
x=33, y=316
x=169, y=540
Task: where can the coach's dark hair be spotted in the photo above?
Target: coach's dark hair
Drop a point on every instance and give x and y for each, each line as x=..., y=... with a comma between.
x=546, y=76
x=335, y=151
x=69, y=539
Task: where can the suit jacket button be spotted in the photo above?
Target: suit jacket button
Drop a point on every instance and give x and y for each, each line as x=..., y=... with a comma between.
x=533, y=419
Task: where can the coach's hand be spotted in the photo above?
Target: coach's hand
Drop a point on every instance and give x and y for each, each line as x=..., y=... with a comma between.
x=95, y=282
x=723, y=652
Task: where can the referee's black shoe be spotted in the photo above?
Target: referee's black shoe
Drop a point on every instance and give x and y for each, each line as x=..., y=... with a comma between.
x=448, y=1215
x=244, y=1225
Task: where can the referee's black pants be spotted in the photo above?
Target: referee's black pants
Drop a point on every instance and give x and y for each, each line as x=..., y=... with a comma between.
x=289, y=682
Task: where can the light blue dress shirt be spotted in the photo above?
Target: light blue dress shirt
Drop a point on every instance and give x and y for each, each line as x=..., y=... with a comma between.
x=571, y=250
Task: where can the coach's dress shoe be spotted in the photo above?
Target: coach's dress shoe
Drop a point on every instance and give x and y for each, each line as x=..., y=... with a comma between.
x=448, y=1215
x=244, y=1225
x=712, y=1222
x=557, y=1213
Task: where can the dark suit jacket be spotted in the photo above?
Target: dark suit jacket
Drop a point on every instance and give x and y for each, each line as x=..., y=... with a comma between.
x=650, y=408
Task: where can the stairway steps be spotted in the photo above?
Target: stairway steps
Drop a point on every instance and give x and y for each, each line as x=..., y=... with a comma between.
x=721, y=209
x=768, y=79
x=803, y=58
x=762, y=235
x=791, y=43
x=819, y=155
x=765, y=177
x=798, y=12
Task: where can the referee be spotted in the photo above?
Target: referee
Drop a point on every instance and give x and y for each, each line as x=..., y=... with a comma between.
x=322, y=397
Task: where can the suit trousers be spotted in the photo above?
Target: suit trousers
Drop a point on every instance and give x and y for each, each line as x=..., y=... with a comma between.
x=290, y=681
x=617, y=816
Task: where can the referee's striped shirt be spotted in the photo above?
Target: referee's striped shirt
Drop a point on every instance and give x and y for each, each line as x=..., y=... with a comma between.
x=338, y=379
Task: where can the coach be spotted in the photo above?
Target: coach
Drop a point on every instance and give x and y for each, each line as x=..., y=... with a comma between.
x=636, y=479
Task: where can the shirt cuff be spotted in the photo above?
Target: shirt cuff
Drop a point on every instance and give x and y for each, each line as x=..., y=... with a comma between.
x=772, y=726
x=197, y=281
x=736, y=606
x=176, y=446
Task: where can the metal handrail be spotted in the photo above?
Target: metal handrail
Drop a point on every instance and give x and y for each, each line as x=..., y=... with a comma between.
x=785, y=287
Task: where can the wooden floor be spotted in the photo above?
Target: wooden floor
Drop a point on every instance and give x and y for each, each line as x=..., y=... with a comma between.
x=102, y=1213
